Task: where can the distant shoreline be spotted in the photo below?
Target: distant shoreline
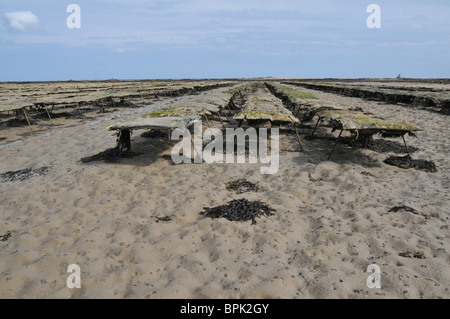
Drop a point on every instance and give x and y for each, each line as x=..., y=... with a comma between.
x=418, y=80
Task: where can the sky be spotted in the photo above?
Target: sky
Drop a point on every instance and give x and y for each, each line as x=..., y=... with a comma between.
x=198, y=39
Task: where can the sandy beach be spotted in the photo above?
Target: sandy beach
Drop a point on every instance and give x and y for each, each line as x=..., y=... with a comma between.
x=136, y=230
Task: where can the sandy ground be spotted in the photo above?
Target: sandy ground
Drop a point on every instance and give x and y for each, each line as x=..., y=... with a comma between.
x=332, y=218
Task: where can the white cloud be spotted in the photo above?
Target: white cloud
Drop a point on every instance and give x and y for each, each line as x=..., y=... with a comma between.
x=24, y=21
x=125, y=50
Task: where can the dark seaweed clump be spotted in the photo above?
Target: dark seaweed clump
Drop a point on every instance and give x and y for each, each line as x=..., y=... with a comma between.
x=6, y=236
x=410, y=210
x=405, y=208
x=409, y=254
x=239, y=210
x=67, y=115
x=24, y=174
x=164, y=218
x=242, y=186
x=17, y=122
x=408, y=162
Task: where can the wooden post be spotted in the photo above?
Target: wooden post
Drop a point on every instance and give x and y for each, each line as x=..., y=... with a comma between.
x=193, y=144
x=317, y=125
x=48, y=113
x=296, y=109
x=406, y=147
x=29, y=124
x=207, y=122
x=226, y=116
x=228, y=107
x=298, y=138
x=233, y=105
x=337, y=140
x=221, y=121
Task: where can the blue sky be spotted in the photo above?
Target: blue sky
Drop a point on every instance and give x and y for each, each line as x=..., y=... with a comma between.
x=143, y=39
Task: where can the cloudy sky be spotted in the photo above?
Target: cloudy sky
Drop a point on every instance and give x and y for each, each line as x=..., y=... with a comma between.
x=141, y=39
